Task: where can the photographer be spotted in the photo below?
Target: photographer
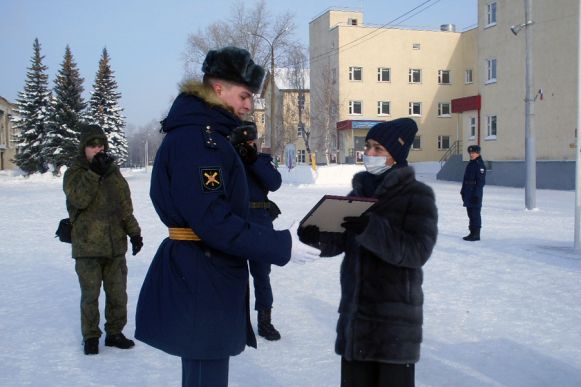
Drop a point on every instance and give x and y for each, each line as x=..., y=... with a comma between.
x=100, y=209
x=263, y=177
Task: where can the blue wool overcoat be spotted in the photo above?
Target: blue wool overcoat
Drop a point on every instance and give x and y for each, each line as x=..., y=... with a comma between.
x=194, y=299
x=263, y=177
x=473, y=183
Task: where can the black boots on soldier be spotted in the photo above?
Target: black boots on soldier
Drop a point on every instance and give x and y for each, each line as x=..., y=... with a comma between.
x=119, y=341
x=473, y=236
x=265, y=327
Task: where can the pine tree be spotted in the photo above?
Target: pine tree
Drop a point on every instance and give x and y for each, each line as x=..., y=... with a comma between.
x=34, y=111
x=62, y=141
x=105, y=111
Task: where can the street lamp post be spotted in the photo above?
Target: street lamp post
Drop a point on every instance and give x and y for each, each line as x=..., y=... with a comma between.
x=273, y=143
x=530, y=144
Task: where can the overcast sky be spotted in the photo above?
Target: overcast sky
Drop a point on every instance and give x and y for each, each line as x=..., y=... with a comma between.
x=146, y=39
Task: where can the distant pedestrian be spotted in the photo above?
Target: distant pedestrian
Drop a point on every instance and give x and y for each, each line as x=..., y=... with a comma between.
x=263, y=177
x=100, y=208
x=472, y=191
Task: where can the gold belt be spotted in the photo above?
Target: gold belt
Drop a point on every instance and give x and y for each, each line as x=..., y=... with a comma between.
x=259, y=205
x=183, y=234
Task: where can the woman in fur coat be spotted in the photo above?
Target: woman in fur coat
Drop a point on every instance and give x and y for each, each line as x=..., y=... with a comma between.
x=380, y=314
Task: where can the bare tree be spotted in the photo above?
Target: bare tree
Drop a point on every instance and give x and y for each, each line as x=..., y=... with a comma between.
x=326, y=109
x=252, y=28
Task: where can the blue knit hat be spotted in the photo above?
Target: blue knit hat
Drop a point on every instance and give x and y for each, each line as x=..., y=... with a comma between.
x=396, y=136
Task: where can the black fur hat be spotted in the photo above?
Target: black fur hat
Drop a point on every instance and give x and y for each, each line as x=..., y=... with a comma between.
x=234, y=64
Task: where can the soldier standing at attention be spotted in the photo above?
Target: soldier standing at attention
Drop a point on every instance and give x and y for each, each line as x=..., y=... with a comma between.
x=194, y=302
x=100, y=209
x=472, y=191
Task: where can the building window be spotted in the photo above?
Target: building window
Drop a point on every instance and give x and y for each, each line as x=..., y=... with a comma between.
x=383, y=108
x=491, y=127
x=355, y=107
x=416, y=46
x=443, y=142
x=417, y=144
x=444, y=77
x=352, y=22
x=472, y=127
x=383, y=74
x=444, y=109
x=415, y=109
x=355, y=73
x=301, y=156
x=468, y=76
x=490, y=70
x=415, y=76
x=334, y=76
x=491, y=14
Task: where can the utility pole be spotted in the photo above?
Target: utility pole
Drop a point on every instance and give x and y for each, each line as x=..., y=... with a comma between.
x=530, y=143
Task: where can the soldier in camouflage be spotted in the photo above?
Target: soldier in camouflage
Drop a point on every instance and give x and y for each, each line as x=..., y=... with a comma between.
x=101, y=212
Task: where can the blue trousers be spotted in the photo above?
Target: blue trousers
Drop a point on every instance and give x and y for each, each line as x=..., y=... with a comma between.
x=262, y=289
x=474, y=217
x=205, y=373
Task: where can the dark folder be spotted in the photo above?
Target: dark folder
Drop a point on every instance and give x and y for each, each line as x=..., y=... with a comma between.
x=329, y=212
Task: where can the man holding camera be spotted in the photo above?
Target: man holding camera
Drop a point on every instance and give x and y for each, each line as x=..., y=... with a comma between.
x=101, y=212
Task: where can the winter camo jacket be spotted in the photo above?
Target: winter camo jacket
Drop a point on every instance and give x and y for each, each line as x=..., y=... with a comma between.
x=100, y=209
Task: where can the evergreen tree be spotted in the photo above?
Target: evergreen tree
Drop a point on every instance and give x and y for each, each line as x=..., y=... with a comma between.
x=34, y=111
x=62, y=141
x=105, y=111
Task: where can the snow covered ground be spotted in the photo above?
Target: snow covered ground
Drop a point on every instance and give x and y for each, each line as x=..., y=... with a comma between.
x=505, y=311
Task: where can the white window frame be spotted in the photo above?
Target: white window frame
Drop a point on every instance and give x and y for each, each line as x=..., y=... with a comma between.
x=491, y=127
x=468, y=77
x=491, y=14
x=412, y=108
x=381, y=71
x=352, y=106
x=491, y=70
x=412, y=75
x=383, y=108
x=441, y=142
x=301, y=156
x=444, y=109
x=442, y=75
x=353, y=70
x=472, y=127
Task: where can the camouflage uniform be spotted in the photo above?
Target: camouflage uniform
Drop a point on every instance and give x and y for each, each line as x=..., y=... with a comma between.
x=101, y=212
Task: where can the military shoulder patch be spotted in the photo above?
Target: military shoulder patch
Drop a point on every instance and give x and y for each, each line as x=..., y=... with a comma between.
x=211, y=179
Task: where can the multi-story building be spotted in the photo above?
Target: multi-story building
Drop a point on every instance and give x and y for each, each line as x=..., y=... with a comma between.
x=377, y=74
x=462, y=88
x=292, y=98
x=7, y=134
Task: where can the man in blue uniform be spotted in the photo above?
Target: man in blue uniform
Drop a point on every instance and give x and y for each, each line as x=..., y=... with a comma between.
x=263, y=177
x=472, y=190
x=194, y=299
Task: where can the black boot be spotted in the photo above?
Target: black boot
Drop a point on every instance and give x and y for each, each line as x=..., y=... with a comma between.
x=91, y=346
x=265, y=327
x=119, y=340
x=473, y=236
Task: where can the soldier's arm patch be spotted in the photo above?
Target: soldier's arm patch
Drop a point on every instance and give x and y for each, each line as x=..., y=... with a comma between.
x=211, y=179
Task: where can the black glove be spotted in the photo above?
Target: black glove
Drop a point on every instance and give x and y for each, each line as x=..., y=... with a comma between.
x=136, y=243
x=101, y=163
x=248, y=153
x=309, y=235
x=355, y=224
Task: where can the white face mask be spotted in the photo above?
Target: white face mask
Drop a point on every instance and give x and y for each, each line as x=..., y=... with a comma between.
x=375, y=164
